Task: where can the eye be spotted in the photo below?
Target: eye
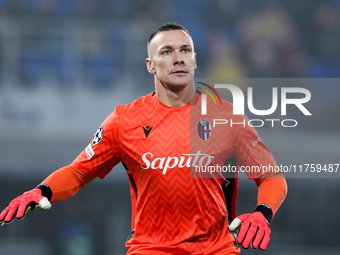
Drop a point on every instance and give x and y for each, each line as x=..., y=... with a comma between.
x=166, y=52
x=186, y=50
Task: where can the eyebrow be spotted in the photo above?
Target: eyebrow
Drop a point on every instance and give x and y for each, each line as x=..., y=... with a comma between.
x=181, y=47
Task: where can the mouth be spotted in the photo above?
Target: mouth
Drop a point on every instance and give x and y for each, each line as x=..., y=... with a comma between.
x=179, y=72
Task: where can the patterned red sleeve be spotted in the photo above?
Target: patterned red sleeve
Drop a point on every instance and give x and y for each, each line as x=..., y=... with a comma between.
x=66, y=182
x=102, y=153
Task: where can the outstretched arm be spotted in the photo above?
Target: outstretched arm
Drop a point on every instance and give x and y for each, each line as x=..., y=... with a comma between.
x=60, y=185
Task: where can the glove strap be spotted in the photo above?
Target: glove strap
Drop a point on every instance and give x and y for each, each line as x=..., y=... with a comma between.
x=266, y=210
x=45, y=191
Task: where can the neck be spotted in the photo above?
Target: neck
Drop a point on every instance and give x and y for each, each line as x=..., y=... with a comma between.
x=175, y=98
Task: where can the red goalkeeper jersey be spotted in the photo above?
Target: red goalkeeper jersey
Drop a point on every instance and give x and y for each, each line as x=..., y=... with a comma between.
x=165, y=151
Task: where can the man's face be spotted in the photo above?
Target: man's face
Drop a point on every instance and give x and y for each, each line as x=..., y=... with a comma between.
x=172, y=59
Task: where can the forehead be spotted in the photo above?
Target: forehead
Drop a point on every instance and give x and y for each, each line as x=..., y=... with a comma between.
x=171, y=38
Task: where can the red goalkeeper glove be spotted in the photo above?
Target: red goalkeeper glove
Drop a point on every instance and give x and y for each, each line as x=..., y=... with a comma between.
x=253, y=230
x=27, y=202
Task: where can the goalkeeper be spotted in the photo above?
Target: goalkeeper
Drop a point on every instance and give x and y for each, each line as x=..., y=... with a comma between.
x=154, y=137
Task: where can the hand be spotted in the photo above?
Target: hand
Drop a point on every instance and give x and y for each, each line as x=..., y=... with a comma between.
x=27, y=202
x=253, y=230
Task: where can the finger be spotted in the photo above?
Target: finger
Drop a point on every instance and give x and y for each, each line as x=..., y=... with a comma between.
x=258, y=238
x=4, y=213
x=244, y=217
x=3, y=216
x=265, y=240
x=11, y=213
x=235, y=224
x=243, y=232
x=23, y=207
x=249, y=236
x=44, y=204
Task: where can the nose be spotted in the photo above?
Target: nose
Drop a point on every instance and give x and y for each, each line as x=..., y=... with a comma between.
x=178, y=59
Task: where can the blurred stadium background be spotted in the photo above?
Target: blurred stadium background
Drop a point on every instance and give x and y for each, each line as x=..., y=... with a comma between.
x=65, y=64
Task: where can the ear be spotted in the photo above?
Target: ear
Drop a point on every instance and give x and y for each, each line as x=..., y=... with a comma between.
x=149, y=66
x=195, y=63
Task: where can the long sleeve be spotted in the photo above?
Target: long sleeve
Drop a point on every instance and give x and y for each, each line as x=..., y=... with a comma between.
x=272, y=190
x=66, y=182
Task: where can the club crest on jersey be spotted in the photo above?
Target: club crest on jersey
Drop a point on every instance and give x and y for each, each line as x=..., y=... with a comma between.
x=204, y=129
x=98, y=136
